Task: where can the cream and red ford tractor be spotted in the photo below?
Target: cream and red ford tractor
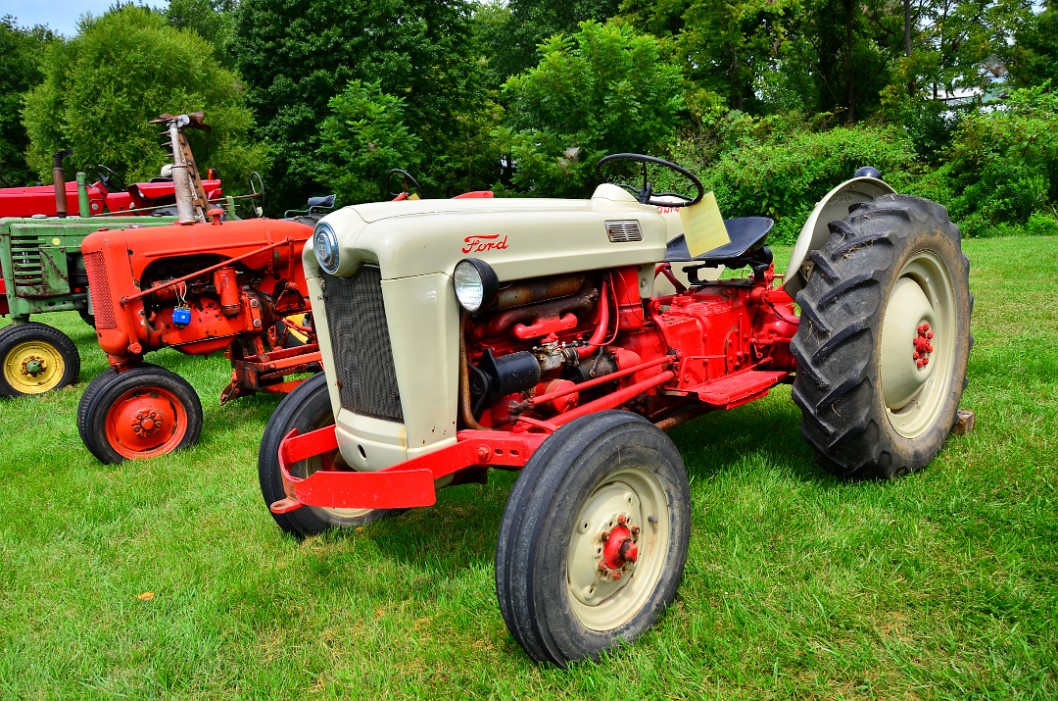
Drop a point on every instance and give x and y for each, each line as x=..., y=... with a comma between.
x=561, y=337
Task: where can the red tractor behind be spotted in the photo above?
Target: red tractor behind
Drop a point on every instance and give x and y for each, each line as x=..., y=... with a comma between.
x=107, y=195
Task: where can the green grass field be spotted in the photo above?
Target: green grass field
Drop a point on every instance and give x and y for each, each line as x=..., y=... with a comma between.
x=168, y=579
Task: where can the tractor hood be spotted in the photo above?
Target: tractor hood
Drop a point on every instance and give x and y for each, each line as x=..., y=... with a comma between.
x=517, y=237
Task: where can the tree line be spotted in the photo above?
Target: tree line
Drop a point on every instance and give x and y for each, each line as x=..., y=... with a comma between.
x=771, y=101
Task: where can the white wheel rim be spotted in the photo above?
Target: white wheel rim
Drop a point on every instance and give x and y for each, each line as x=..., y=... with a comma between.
x=918, y=345
x=599, y=600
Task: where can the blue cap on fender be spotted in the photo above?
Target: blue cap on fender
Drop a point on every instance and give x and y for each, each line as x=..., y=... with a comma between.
x=868, y=172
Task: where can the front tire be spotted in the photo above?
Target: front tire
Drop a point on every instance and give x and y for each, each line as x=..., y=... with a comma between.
x=593, y=539
x=141, y=413
x=307, y=408
x=36, y=358
x=884, y=339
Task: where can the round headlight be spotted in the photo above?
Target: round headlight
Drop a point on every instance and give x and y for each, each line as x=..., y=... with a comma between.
x=325, y=245
x=475, y=284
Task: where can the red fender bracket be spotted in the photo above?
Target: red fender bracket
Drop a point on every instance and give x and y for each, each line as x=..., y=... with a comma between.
x=405, y=485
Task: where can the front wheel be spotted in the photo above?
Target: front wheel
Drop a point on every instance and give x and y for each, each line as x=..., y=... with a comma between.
x=593, y=539
x=307, y=408
x=36, y=358
x=884, y=339
x=141, y=413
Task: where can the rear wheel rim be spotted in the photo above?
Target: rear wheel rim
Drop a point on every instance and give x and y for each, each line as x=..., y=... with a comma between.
x=918, y=345
x=145, y=422
x=604, y=591
x=34, y=367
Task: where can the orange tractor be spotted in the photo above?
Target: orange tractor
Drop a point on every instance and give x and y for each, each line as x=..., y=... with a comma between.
x=199, y=286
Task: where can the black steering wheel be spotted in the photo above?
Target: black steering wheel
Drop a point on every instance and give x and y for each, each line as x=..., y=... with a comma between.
x=111, y=180
x=646, y=194
x=408, y=178
x=257, y=192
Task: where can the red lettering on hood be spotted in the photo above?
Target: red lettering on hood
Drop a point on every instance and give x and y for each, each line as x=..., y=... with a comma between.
x=479, y=243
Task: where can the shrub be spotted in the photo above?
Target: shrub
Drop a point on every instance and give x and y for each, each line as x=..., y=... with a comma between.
x=784, y=176
x=362, y=139
x=123, y=69
x=602, y=91
x=1002, y=166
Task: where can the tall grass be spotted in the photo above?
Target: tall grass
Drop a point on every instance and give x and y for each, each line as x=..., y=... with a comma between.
x=168, y=579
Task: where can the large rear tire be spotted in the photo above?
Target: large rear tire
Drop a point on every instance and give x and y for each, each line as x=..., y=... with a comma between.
x=141, y=413
x=593, y=539
x=884, y=339
x=36, y=358
x=307, y=408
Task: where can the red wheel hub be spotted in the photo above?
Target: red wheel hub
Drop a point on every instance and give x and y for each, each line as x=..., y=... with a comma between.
x=619, y=548
x=145, y=422
x=923, y=347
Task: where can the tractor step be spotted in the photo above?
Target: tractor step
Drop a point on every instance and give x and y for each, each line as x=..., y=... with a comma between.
x=734, y=390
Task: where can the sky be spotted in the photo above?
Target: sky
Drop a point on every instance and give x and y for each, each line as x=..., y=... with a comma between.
x=60, y=15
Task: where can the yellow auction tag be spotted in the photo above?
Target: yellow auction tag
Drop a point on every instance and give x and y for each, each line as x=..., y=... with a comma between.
x=703, y=226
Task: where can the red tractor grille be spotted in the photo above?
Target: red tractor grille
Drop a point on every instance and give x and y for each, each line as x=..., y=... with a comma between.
x=99, y=288
x=363, y=356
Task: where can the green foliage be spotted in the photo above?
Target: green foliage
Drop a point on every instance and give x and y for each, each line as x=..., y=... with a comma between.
x=363, y=138
x=21, y=51
x=512, y=30
x=1003, y=164
x=725, y=47
x=783, y=176
x=1035, y=50
x=296, y=55
x=927, y=123
x=213, y=20
x=125, y=68
x=603, y=90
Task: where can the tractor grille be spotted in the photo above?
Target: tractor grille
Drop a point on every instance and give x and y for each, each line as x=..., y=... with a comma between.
x=99, y=288
x=367, y=381
x=27, y=266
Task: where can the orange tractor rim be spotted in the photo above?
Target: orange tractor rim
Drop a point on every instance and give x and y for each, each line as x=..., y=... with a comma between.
x=145, y=422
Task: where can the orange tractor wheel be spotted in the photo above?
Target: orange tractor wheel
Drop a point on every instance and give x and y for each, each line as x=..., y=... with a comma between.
x=141, y=413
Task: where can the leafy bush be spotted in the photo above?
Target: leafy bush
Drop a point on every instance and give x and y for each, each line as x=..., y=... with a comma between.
x=604, y=90
x=125, y=68
x=20, y=53
x=363, y=138
x=782, y=177
x=1002, y=166
x=1041, y=225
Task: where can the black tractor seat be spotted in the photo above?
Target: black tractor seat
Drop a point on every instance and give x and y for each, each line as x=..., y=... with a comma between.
x=746, y=247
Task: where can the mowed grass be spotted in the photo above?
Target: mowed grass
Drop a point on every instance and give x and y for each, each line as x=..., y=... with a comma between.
x=168, y=579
